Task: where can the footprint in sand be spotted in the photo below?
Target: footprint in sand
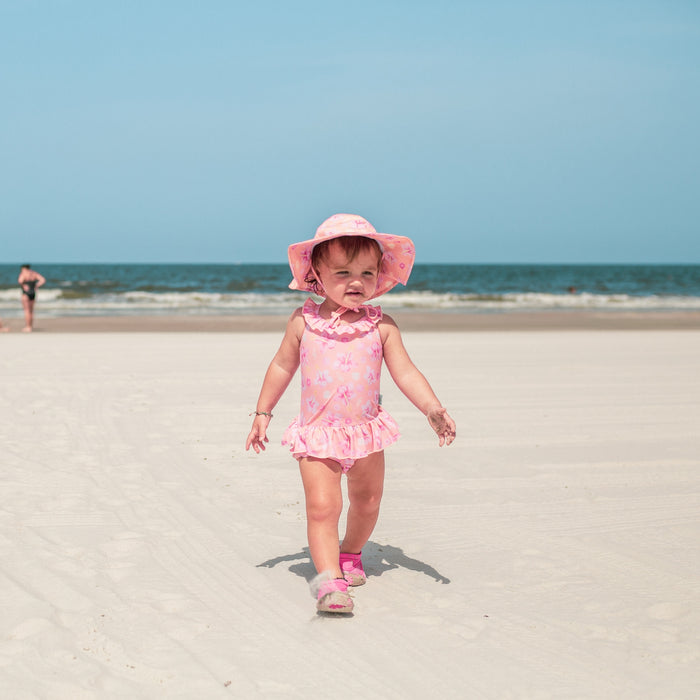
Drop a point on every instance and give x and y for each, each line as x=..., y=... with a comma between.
x=666, y=611
x=30, y=627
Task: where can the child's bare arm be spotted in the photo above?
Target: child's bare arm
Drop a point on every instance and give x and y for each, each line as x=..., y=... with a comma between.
x=280, y=372
x=413, y=383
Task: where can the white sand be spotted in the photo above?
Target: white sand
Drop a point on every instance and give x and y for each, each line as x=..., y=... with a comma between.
x=551, y=552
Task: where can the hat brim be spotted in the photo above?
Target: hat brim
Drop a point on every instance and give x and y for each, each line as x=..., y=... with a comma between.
x=398, y=256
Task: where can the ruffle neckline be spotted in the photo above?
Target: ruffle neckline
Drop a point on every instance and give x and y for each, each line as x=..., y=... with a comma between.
x=337, y=325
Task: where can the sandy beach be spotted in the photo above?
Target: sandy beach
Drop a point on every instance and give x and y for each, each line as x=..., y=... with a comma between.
x=407, y=320
x=552, y=552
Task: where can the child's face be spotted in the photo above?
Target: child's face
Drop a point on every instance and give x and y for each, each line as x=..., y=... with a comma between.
x=348, y=282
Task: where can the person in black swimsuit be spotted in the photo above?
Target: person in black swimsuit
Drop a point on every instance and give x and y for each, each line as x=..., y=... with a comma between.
x=29, y=280
x=29, y=288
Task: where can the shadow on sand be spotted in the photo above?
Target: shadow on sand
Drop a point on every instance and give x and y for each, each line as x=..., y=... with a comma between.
x=376, y=559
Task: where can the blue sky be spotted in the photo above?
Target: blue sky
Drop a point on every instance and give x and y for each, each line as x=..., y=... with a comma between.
x=223, y=131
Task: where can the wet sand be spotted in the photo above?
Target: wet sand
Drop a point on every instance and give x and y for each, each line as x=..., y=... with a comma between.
x=407, y=320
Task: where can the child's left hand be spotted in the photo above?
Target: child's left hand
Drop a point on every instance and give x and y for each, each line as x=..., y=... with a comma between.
x=443, y=425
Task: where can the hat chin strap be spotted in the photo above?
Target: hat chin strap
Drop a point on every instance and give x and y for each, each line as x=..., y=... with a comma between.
x=317, y=278
x=335, y=315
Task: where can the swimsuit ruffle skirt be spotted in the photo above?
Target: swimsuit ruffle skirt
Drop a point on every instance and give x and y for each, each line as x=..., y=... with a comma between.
x=341, y=364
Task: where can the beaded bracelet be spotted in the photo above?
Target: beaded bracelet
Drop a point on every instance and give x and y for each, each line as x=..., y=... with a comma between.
x=261, y=413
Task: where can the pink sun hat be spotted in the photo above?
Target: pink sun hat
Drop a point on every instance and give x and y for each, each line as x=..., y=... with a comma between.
x=398, y=252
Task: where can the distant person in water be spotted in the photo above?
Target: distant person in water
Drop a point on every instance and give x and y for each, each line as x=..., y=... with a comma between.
x=29, y=280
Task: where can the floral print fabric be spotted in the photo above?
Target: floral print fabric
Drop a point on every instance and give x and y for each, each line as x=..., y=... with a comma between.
x=341, y=364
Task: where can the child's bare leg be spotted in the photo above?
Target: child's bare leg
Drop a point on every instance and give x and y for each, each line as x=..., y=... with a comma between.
x=324, y=503
x=365, y=487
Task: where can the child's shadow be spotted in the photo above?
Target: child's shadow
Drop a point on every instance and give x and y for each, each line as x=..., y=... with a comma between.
x=376, y=559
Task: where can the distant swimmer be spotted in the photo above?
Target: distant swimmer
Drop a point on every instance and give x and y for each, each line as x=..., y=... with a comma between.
x=29, y=280
x=572, y=290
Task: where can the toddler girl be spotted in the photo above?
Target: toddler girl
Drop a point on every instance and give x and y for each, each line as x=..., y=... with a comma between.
x=341, y=428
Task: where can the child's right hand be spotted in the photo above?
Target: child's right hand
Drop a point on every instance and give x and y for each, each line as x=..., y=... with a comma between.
x=257, y=437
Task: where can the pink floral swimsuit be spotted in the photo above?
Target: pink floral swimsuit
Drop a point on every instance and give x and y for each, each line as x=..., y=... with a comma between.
x=341, y=364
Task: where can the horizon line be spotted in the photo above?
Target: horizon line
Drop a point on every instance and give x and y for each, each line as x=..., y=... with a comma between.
x=284, y=262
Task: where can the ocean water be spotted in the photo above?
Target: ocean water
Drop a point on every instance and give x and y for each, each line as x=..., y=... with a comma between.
x=83, y=290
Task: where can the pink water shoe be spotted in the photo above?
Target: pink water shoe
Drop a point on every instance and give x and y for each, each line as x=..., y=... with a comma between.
x=333, y=596
x=351, y=566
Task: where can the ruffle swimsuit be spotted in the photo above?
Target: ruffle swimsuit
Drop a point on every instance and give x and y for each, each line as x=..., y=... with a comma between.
x=341, y=363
